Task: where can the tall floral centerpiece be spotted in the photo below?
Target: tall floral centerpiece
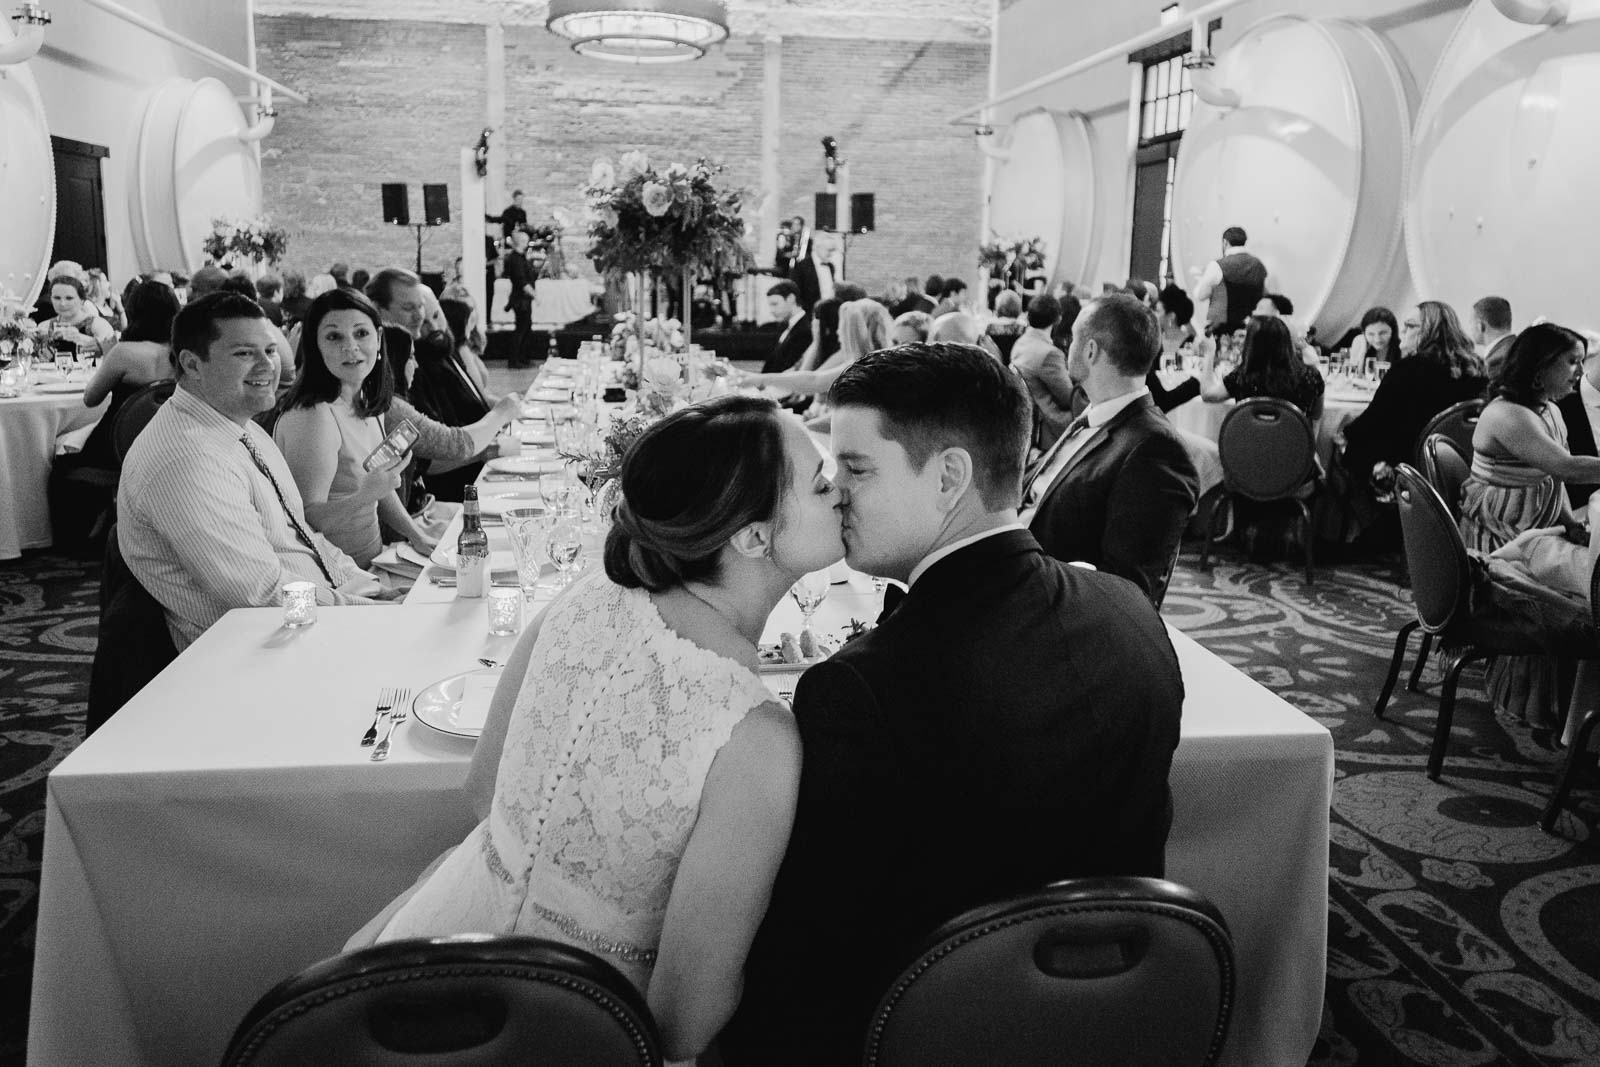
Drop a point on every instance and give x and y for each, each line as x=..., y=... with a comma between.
x=246, y=242
x=1011, y=261
x=647, y=222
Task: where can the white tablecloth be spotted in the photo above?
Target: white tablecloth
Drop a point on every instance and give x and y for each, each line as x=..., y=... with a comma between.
x=225, y=829
x=556, y=301
x=29, y=426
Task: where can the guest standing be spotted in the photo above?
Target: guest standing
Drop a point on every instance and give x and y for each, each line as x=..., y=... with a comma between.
x=519, y=272
x=332, y=421
x=514, y=219
x=1231, y=285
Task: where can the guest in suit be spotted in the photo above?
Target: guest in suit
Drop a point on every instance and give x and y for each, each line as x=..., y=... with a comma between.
x=521, y=275
x=783, y=300
x=1174, y=309
x=813, y=272
x=514, y=218
x=1117, y=489
x=987, y=737
x=1492, y=333
x=1043, y=368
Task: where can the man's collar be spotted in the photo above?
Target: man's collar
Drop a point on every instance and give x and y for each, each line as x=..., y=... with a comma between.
x=1234, y=250
x=198, y=408
x=955, y=546
x=1098, y=414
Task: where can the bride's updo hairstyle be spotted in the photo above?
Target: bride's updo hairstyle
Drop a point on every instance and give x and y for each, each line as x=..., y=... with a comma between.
x=689, y=483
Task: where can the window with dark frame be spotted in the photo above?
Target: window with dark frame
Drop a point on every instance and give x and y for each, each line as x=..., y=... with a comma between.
x=1166, y=102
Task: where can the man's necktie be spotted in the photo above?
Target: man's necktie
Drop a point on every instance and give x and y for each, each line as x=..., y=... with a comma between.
x=299, y=530
x=1074, y=428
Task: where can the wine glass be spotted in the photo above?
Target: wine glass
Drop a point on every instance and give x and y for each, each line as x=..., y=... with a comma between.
x=809, y=593
x=563, y=544
x=556, y=491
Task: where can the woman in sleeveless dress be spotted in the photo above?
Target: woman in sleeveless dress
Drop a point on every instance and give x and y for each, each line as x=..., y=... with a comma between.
x=1519, y=462
x=332, y=421
x=638, y=779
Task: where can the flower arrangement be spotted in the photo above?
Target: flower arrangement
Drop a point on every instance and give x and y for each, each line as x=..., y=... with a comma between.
x=250, y=239
x=1001, y=257
x=643, y=219
x=16, y=331
x=630, y=333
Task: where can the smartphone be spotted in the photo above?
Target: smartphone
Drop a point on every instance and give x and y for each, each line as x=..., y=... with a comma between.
x=393, y=448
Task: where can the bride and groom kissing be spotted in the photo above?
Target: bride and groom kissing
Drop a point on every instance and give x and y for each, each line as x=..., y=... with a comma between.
x=764, y=875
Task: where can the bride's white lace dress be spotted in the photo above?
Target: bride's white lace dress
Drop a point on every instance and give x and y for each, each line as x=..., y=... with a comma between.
x=598, y=787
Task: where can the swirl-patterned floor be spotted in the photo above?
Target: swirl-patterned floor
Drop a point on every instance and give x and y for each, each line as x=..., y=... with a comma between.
x=1458, y=933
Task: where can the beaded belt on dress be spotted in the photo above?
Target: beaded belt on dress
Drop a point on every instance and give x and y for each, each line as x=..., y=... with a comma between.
x=623, y=950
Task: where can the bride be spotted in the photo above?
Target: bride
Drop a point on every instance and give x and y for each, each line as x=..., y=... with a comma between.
x=636, y=778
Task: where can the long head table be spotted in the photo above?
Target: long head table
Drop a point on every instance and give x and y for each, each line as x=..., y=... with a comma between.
x=225, y=829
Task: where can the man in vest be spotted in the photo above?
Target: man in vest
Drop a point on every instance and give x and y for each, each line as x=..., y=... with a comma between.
x=1233, y=284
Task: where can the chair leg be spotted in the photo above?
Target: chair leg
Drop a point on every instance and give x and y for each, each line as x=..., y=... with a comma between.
x=1447, y=709
x=1211, y=530
x=1422, y=661
x=1308, y=534
x=1578, y=751
x=1389, y=679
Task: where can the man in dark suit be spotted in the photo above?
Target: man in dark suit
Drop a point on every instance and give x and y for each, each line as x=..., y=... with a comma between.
x=1580, y=410
x=521, y=275
x=988, y=737
x=783, y=300
x=1118, y=487
x=515, y=217
x=813, y=271
x=1492, y=332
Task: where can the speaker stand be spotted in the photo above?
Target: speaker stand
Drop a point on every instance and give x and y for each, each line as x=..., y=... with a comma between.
x=419, y=227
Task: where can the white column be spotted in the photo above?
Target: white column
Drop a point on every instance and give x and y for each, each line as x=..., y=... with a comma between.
x=494, y=72
x=472, y=259
x=771, y=132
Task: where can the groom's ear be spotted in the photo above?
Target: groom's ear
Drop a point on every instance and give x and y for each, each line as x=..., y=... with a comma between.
x=753, y=541
x=955, y=475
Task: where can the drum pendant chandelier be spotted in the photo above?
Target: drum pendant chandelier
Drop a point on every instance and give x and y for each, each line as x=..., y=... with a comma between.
x=639, y=31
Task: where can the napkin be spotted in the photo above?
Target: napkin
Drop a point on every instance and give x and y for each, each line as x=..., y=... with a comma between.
x=1551, y=559
x=475, y=697
x=391, y=559
x=73, y=440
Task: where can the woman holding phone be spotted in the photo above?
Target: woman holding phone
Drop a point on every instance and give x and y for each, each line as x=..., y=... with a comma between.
x=332, y=422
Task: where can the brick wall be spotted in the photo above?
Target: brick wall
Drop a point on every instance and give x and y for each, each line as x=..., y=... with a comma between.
x=395, y=101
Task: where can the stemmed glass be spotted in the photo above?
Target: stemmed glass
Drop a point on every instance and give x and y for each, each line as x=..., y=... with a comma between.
x=563, y=544
x=809, y=593
x=525, y=530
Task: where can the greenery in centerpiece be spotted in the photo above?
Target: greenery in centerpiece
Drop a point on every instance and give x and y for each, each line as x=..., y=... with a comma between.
x=644, y=220
x=1012, y=259
x=252, y=239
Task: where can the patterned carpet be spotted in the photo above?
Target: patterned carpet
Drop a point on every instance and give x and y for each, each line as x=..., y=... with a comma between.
x=1459, y=934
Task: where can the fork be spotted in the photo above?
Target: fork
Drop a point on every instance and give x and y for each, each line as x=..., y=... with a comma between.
x=386, y=700
x=397, y=715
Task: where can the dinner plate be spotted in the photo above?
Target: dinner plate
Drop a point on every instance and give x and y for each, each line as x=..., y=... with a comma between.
x=59, y=387
x=538, y=437
x=440, y=706
x=525, y=465
x=550, y=395
x=497, y=500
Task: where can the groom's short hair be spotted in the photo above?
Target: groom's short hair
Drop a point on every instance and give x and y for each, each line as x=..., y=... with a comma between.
x=934, y=396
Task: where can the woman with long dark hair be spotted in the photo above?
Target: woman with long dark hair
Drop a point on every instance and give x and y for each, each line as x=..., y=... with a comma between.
x=332, y=420
x=144, y=355
x=1269, y=366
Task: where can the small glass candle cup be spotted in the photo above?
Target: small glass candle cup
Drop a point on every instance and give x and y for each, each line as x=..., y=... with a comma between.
x=505, y=611
x=299, y=604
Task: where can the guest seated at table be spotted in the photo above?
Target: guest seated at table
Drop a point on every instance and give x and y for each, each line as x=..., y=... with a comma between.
x=75, y=321
x=209, y=518
x=1580, y=410
x=1043, y=368
x=1519, y=462
x=332, y=421
x=1010, y=722
x=1117, y=488
x=144, y=355
x=1378, y=336
x=1174, y=309
x=460, y=319
x=661, y=864
x=864, y=327
x=1007, y=325
x=1267, y=367
x=910, y=328
x=1438, y=368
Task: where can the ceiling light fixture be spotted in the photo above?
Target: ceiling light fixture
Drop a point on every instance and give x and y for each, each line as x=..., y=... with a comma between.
x=640, y=31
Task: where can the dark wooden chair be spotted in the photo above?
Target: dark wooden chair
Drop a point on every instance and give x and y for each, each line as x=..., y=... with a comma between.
x=1091, y=970
x=452, y=1002
x=1269, y=453
x=134, y=644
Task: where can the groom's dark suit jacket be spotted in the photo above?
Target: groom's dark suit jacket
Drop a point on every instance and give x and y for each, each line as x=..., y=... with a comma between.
x=1011, y=723
x=1123, y=500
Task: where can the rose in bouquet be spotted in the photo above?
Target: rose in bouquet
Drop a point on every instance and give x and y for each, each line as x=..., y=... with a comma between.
x=252, y=239
x=643, y=219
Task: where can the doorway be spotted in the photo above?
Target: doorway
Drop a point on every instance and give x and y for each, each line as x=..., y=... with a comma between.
x=80, y=203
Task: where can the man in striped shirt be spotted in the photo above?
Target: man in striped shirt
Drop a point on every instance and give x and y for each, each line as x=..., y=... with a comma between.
x=208, y=515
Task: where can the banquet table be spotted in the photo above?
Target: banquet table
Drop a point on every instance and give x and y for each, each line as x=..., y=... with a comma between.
x=225, y=829
x=555, y=301
x=29, y=426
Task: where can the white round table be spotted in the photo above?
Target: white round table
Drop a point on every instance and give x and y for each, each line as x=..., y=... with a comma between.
x=29, y=426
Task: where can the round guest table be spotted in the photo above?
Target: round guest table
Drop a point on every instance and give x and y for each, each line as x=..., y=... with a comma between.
x=29, y=426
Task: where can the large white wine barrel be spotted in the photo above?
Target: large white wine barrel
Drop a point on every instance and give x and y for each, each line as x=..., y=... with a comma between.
x=1046, y=188
x=190, y=168
x=1505, y=168
x=27, y=185
x=1312, y=164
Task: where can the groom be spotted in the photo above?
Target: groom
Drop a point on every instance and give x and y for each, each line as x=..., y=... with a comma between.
x=1011, y=723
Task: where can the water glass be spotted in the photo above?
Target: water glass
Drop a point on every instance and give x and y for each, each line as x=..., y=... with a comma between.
x=505, y=611
x=564, y=546
x=525, y=531
x=299, y=604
